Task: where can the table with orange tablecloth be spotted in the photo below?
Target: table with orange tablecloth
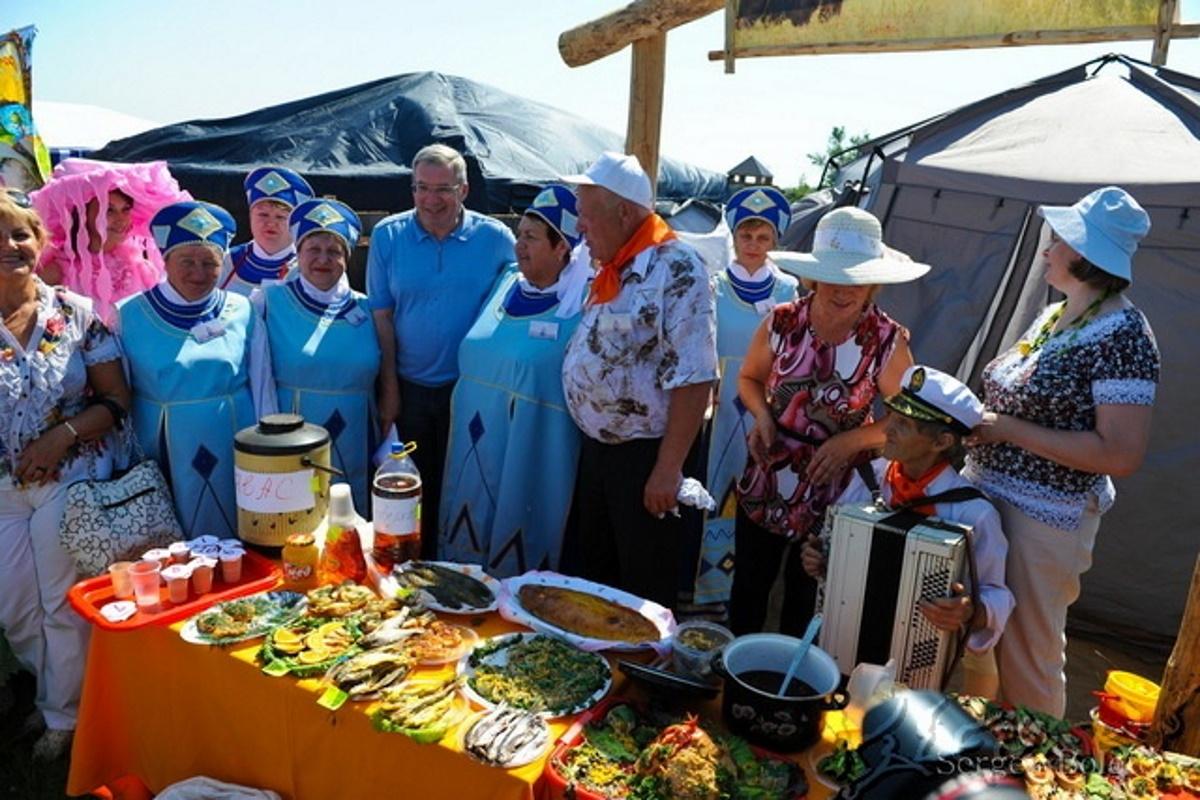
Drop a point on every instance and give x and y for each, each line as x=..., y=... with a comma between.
x=163, y=710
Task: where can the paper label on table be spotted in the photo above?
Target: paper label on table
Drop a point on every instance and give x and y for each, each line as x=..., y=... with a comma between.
x=276, y=669
x=332, y=698
x=274, y=492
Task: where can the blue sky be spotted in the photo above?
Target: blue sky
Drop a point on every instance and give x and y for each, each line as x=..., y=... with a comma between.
x=171, y=61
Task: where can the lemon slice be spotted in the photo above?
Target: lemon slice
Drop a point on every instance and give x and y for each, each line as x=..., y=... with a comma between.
x=315, y=640
x=285, y=636
x=313, y=656
x=289, y=647
x=331, y=628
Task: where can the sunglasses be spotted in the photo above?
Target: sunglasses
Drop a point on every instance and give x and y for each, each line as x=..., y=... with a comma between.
x=18, y=197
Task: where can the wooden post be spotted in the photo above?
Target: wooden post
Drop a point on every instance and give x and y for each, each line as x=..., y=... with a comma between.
x=647, y=74
x=1176, y=724
x=1167, y=13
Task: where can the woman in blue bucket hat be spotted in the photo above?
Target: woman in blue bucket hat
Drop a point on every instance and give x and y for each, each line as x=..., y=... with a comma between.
x=1069, y=405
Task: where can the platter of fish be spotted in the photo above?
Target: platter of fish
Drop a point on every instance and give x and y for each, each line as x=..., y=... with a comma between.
x=423, y=710
x=448, y=587
x=347, y=599
x=534, y=672
x=363, y=675
x=242, y=619
x=506, y=737
x=590, y=615
x=441, y=643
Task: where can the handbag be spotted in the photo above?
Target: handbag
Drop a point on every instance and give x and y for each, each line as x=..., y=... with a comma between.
x=118, y=519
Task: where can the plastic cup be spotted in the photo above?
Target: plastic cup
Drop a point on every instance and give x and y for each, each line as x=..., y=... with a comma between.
x=180, y=552
x=159, y=555
x=177, y=577
x=202, y=574
x=145, y=577
x=231, y=565
x=122, y=584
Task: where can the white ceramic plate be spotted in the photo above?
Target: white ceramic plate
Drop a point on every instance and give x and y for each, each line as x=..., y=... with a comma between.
x=500, y=658
x=662, y=618
x=389, y=584
x=284, y=606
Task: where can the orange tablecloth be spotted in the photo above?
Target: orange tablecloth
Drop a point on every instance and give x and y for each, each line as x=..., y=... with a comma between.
x=163, y=710
x=159, y=708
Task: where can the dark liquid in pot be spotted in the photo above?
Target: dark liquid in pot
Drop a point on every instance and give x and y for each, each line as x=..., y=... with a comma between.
x=768, y=681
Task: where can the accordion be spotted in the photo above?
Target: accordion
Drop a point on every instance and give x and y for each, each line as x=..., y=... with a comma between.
x=880, y=565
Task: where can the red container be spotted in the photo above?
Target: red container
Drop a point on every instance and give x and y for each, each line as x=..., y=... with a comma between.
x=87, y=597
x=556, y=784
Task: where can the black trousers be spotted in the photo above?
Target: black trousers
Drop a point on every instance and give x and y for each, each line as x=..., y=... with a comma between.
x=758, y=552
x=620, y=543
x=425, y=419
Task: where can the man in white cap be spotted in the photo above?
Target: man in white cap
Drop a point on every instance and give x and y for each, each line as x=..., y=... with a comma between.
x=926, y=422
x=637, y=377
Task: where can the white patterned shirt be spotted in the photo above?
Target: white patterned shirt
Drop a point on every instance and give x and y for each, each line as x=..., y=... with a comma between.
x=626, y=355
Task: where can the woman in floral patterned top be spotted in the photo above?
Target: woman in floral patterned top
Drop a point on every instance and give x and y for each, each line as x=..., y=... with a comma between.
x=1070, y=405
x=61, y=390
x=809, y=379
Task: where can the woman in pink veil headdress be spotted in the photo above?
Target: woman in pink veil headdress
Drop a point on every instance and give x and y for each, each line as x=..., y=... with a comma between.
x=98, y=216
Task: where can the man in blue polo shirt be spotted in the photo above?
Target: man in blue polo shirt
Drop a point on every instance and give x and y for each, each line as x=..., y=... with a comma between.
x=429, y=271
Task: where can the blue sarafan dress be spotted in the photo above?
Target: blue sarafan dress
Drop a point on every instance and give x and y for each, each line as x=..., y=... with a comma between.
x=189, y=368
x=513, y=450
x=741, y=306
x=325, y=357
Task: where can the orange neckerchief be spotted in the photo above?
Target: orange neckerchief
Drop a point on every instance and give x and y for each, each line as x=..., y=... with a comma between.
x=905, y=489
x=607, y=283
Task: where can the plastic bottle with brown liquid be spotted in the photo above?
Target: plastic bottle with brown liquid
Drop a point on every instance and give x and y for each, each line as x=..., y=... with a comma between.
x=342, y=559
x=396, y=508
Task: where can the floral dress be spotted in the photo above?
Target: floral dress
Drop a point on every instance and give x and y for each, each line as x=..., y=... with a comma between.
x=47, y=383
x=1112, y=360
x=816, y=389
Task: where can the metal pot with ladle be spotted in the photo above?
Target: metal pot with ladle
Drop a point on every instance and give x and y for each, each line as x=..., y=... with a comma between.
x=282, y=471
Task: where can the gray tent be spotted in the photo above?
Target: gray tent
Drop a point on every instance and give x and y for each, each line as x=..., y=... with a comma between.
x=961, y=192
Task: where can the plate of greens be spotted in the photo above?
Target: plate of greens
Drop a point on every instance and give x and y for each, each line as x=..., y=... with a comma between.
x=534, y=672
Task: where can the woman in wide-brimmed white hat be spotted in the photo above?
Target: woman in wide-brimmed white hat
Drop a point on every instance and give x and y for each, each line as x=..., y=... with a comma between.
x=1068, y=405
x=810, y=376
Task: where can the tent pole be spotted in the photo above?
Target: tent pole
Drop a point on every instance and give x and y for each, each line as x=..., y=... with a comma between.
x=1176, y=724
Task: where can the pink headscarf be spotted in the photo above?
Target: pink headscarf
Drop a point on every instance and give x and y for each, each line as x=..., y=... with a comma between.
x=135, y=265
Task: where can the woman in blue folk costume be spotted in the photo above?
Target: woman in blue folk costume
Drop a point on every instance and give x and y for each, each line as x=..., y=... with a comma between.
x=746, y=290
x=195, y=381
x=324, y=353
x=271, y=193
x=513, y=449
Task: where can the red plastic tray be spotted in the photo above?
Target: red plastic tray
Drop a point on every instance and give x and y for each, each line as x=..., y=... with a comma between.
x=259, y=574
x=556, y=784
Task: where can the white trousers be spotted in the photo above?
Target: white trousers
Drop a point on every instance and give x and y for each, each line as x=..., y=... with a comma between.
x=1043, y=570
x=46, y=635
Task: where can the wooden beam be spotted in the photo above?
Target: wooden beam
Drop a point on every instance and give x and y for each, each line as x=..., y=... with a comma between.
x=1016, y=39
x=1168, y=15
x=1176, y=724
x=647, y=75
x=640, y=19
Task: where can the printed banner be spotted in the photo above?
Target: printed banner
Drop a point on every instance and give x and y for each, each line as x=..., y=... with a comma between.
x=24, y=160
x=880, y=24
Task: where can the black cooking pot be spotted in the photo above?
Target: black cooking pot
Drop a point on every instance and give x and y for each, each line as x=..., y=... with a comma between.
x=758, y=713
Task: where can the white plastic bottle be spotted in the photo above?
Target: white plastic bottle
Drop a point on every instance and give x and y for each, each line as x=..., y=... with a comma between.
x=396, y=508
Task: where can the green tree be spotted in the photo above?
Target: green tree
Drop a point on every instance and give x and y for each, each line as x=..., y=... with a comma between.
x=794, y=193
x=837, y=143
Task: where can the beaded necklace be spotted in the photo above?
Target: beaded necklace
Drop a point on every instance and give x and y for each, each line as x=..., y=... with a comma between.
x=1046, y=332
